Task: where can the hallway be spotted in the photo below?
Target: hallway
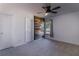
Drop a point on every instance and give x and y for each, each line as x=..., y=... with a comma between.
x=42, y=47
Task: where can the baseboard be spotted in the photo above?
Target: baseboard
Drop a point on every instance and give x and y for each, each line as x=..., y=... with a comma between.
x=64, y=42
x=18, y=44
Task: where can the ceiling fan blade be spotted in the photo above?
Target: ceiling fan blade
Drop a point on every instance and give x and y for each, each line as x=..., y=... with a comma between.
x=43, y=7
x=46, y=8
x=58, y=7
x=54, y=12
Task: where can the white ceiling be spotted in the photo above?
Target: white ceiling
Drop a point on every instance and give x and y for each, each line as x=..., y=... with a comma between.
x=33, y=8
x=65, y=8
x=37, y=7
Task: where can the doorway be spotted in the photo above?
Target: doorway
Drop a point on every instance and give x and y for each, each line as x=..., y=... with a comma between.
x=38, y=27
x=43, y=28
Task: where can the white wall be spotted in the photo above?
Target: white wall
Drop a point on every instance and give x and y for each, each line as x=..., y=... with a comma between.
x=66, y=27
x=19, y=14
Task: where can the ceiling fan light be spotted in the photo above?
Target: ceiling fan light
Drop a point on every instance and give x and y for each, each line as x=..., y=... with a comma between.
x=46, y=14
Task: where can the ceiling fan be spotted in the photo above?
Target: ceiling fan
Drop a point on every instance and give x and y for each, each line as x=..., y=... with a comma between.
x=48, y=9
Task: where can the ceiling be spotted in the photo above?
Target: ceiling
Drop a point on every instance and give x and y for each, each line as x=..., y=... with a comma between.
x=33, y=8
x=37, y=7
x=65, y=8
x=29, y=7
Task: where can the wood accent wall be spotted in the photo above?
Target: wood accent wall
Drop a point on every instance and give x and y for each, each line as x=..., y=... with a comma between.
x=37, y=23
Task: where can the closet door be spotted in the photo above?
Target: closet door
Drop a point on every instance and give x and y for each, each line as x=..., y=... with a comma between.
x=5, y=31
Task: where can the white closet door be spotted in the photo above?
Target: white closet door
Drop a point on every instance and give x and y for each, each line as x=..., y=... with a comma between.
x=5, y=31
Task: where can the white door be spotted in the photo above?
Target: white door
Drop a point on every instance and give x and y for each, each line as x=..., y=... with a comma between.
x=5, y=31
